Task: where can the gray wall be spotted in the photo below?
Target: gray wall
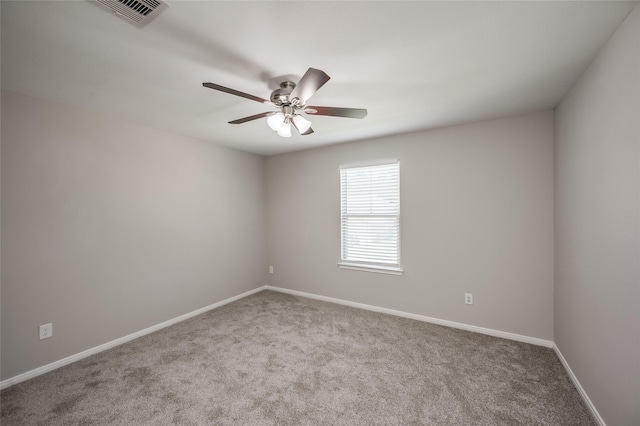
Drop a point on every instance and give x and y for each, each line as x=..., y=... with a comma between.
x=597, y=219
x=477, y=217
x=109, y=228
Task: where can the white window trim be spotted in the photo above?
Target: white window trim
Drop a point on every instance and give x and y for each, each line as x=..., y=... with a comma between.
x=368, y=267
x=372, y=266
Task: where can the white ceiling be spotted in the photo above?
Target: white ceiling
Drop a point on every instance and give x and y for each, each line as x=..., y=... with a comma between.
x=413, y=65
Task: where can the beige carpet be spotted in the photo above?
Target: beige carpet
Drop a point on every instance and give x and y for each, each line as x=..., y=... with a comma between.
x=273, y=358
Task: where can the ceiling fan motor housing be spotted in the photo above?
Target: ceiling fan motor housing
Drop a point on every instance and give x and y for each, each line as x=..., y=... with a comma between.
x=281, y=96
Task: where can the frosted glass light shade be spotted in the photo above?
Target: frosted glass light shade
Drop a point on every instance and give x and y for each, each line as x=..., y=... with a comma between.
x=276, y=121
x=285, y=131
x=301, y=123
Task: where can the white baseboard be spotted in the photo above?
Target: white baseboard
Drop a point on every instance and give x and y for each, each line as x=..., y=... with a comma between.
x=461, y=326
x=73, y=358
x=578, y=386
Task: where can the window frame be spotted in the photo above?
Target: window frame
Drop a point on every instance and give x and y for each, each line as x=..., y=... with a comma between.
x=371, y=265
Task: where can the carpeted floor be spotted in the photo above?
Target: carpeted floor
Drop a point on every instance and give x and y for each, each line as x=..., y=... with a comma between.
x=273, y=358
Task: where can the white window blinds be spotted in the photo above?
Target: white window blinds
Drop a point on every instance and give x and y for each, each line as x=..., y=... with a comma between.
x=370, y=216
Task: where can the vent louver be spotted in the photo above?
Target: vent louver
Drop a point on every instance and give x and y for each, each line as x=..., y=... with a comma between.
x=137, y=12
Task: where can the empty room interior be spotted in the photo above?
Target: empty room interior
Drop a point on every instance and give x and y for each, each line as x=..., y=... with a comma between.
x=348, y=212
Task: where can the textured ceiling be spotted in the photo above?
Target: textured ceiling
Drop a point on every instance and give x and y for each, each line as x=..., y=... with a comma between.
x=413, y=65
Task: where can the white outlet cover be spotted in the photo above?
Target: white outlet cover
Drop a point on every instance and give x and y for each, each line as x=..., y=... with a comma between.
x=46, y=331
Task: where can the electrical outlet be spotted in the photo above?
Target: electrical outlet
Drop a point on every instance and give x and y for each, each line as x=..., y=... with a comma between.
x=271, y=269
x=46, y=331
x=468, y=298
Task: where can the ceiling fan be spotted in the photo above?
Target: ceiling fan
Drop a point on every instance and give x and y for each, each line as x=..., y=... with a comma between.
x=290, y=100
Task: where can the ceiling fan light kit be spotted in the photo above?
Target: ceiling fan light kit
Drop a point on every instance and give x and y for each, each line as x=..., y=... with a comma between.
x=290, y=100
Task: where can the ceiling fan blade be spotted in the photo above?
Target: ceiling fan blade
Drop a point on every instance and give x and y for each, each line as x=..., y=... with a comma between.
x=310, y=82
x=235, y=92
x=336, y=112
x=252, y=117
x=308, y=132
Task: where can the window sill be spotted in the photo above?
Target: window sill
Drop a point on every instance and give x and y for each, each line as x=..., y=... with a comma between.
x=371, y=268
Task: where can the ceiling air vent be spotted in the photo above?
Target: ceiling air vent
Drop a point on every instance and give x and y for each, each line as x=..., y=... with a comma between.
x=137, y=12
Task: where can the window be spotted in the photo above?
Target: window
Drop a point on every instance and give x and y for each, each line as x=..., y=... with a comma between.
x=370, y=217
